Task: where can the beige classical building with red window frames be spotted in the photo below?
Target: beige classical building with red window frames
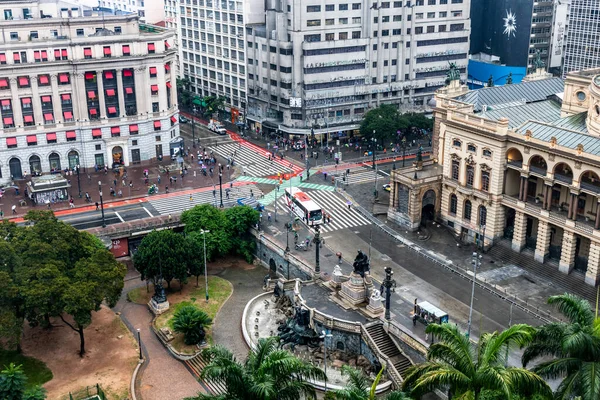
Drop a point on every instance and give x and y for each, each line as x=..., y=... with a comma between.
x=518, y=163
x=82, y=89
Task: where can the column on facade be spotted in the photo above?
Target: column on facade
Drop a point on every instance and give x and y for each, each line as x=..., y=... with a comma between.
x=79, y=97
x=521, y=186
x=592, y=274
x=520, y=231
x=567, y=255
x=573, y=206
x=548, y=197
x=525, y=188
x=120, y=92
x=463, y=172
x=36, y=102
x=570, y=208
x=142, y=91
x=16, y=106
x=597, y=223
x=56, y=101
x=162, y=88
x=542, y=246
x=102, y=104
x=544, y=196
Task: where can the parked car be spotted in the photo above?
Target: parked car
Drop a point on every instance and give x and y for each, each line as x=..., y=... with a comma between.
x=387, y=187
x=216, y=127
x=183, y=120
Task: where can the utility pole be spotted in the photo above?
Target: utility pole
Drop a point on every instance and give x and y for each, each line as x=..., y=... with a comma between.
x=389, y=284
x=374, y=140
x=476, y=263
x=317, y=244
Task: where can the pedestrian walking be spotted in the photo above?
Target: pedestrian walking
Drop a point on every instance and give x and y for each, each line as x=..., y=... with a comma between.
x=269, y=216
x=1, y=214
x=325, y=175
x=71, y=203
x=97, y=206
x=123, y=182
x=349, y=204
x=158, y=179
x=14, y=209
x=339, y=256
x=194, y=173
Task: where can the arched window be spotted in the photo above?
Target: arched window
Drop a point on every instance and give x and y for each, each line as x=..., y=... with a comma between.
x=482, y=215
x=453, y=204
x=35, y=165
x=485, y=181
x=467, y=210
x=455, y=169
x=470, y=175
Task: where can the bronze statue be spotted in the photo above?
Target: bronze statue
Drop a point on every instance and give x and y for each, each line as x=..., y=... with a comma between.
x=537, y=61
x=159, y=292
x=453, y=73
x=361, y=264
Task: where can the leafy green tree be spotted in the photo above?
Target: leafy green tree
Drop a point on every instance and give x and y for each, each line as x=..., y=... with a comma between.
x=12, y=385
x=574, y=347
x=195, y=246
x=382, y=120
x=267, y=374
x=470, y=371
x=358, y=387
x=209, y=218
x=212, y=104
x=65, y=271
x=183, y=91
x=191, y=321
x=94, y=280
x=240, y=220
x=163, y=252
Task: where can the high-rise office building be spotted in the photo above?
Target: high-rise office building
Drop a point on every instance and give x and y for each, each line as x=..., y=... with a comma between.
x=582, y=49
x=212, y=49
x=322, y=64
x=83, y=90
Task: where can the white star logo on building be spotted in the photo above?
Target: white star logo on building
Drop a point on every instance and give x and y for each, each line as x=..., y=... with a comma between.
x=510, y=23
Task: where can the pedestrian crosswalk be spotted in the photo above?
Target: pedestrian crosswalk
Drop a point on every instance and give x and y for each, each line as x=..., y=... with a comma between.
x=257, y=180
x=334, y=205
x=182, y=202
x=252, y=161
x=359, y=175
x=316, y=186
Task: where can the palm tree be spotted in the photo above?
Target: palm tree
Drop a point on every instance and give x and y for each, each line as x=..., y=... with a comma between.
x=358, y=388
x=190, y=321
x=470, y=370
x=574, y=346
x=268, y=374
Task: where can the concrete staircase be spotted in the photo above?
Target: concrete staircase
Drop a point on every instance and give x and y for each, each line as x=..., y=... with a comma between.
x=386, y=345
x=196, y=365
x=572, y=283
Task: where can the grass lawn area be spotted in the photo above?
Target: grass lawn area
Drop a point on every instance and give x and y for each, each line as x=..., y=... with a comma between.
x=37, y=372
x=219, y=290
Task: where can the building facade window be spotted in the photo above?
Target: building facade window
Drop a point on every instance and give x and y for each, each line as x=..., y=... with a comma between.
x=470, y=175
x=482, y=215
x=485, y=181
x=453, y=204
x=467, y=210
x=455, y=169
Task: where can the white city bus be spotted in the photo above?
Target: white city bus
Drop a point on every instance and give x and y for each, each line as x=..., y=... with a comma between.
x=306, y=209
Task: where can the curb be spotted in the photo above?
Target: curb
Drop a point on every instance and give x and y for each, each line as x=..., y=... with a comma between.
x=133, y=379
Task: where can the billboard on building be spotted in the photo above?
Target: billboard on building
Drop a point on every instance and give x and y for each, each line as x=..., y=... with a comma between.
x=502, y=28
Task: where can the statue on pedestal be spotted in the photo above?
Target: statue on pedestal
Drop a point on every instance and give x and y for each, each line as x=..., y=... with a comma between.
x=361, y=264
x=159, y=292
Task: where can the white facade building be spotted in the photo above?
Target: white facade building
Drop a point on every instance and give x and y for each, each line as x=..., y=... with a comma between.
x=149, y=11
x=322, y=64
x=89, y=91
x=212, y=49
x=582, y=50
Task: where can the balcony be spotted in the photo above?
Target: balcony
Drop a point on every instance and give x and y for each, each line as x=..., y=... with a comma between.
x=590, y=187
x=538, y=170
x=515, y=163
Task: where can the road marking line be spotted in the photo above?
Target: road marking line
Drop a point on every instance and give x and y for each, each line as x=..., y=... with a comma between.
x=121, y=218
x=149, y=213
x=385, y=173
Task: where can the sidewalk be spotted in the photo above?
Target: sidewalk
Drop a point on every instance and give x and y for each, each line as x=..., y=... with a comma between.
x=88, y=179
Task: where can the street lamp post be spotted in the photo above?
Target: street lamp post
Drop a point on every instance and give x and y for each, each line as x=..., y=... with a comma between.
x=78, y=181
x=287, y=239
x=221, y=184
x=389, y=284
x=140, y=343
x=203, y=233
x=403, y=151
x=374, y=140
x=193, y=128
x=101, y=203
x=394, y=164
x=317, y=244
x=324, y=335
x=476, y=263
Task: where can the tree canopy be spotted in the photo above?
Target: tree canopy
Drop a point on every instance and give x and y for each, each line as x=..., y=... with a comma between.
x=12, y=385
x=470, y=371
x=50, y=269
x=385, y=121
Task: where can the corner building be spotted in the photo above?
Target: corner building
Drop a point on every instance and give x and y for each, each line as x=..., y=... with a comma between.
x=86, y=90
x=322, y=64
x=517, y=165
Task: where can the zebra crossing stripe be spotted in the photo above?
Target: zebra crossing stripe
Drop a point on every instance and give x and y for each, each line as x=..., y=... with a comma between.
x=178, y=204
x=253, y=162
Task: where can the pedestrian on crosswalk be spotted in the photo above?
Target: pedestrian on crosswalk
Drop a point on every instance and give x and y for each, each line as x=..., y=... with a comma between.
x=349, y=204
x=269, y=216
x=325, y=175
